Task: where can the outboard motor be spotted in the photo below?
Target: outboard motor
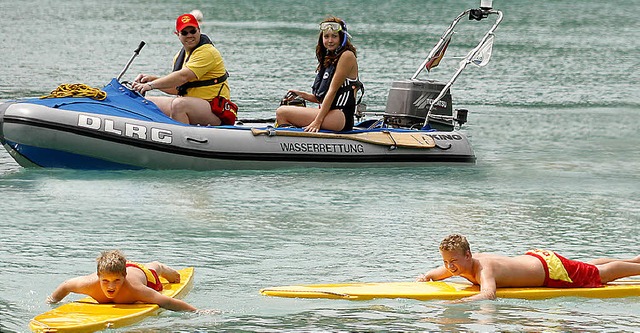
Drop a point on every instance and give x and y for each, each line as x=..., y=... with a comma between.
x=409, y=102
x=425, y=104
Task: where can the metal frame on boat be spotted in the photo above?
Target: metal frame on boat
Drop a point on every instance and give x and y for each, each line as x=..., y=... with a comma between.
x=126, y=131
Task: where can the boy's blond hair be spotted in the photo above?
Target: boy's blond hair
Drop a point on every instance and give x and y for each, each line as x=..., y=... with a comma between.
x=455, y=242
x=112, y=261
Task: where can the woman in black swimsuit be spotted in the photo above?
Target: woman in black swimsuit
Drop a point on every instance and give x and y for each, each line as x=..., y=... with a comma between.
x=334, y=87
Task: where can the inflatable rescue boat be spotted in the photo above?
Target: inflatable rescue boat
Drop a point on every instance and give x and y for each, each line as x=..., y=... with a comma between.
x=125, y=131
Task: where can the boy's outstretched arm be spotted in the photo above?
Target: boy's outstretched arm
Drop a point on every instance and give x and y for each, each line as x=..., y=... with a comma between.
x=72, y=285
x=487, y=288
x=435, y=274
x=148, y=295
x=175, y=304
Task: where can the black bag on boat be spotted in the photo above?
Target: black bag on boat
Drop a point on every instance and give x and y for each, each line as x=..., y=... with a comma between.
x=291, y=98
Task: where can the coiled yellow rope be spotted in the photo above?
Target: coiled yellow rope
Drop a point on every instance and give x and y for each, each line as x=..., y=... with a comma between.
x=77, y=90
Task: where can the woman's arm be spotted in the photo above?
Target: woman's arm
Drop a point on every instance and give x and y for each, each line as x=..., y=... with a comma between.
x=305, y=95
x=346, y=65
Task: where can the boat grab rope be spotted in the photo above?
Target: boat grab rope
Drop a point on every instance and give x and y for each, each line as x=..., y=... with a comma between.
x=77, y=90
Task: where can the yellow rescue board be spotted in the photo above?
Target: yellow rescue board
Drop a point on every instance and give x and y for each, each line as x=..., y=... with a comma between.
x=410, y=139
x=86, y=315
x=443, y=291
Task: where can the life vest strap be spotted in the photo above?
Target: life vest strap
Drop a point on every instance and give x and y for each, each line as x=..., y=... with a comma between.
x=182, y=90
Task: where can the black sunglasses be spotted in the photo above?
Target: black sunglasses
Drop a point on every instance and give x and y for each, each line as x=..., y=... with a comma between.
x=186, y=33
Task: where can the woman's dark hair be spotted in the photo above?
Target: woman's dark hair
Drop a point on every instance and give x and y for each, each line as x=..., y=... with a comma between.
x=326, y=58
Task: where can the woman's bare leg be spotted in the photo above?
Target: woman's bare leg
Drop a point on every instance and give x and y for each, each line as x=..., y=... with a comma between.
x=303, y=116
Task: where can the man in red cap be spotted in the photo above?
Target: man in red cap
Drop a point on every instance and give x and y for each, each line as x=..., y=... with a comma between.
x=198, y=81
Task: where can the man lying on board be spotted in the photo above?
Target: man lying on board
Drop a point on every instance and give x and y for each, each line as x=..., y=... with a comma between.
x=536, y=268
x=120, y=281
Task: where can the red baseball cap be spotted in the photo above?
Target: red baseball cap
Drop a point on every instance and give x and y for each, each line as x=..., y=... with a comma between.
x=186, y=20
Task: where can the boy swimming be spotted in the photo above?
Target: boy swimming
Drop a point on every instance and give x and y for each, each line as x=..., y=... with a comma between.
x=123, y=282
x=536, y=268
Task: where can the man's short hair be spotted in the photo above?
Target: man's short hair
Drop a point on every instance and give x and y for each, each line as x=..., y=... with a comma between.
x=455, y=242
x=112, y=261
